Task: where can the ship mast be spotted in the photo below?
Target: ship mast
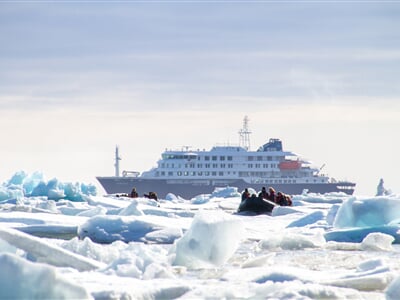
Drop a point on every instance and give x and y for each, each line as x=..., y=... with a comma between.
x=117, y=159
x=244, y=134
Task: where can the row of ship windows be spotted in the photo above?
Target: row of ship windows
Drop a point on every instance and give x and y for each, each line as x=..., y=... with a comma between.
x=200, y=173
x=222, y=174
x=215, y=157
x=249, y=158
x=222, y=166
x=287, y=181
x=185, y=173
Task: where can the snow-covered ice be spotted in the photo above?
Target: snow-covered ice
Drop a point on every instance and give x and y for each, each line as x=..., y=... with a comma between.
x=62, y=241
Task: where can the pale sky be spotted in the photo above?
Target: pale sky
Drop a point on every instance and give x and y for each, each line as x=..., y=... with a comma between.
x=79, y=77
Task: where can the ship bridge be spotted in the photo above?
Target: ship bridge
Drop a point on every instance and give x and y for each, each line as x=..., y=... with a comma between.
x=272, y=145
x=179, y=155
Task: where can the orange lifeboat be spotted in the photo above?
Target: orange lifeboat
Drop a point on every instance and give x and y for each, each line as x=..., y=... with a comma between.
x=290, y=165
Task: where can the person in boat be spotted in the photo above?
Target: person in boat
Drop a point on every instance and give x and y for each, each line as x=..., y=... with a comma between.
x=263, y=194
x=245, y=194
x=280, y=199
x=134, y=193
x=151, y=195
x=271, y=195
x=289, y=200
x=283, y=199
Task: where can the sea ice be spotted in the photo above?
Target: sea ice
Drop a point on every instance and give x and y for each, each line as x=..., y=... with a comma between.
x=176, y=249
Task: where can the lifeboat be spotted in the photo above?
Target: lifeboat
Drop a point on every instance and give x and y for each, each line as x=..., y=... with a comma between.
x=290, y=165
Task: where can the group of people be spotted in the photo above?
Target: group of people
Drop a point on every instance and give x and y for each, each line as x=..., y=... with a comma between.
x=278, y=198
x=134, y=194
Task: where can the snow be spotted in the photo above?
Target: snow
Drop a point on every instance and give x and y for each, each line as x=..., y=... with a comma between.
x=61, y=241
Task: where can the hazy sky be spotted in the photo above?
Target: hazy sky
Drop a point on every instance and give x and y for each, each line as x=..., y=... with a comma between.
x=79, y=77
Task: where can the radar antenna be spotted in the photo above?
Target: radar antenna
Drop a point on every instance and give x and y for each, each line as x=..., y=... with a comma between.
x=244, y=134
x=117, y=159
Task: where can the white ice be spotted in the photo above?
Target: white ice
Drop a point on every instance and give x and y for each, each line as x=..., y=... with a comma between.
x=330, y=246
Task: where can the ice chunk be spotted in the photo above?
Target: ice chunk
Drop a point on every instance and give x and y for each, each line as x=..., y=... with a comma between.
x=131, y=210
x=330, y=218
x=372, y=264
x=283, y=210
x=393, y=290
x=200, y=199
x=171, y=197
x=367, y=212
x=155, y=270
x=356, y=235
x=211, y=240
x=376, y=241
x=96, y=211
x=292, y=241
x=370, y=275
x=17, y=178
x=21, y=279
x=308, y=219
x=31, y=181
x=13, y=192
x=226, y=192
x=46, y=252
x=164, y=236
x=107, y=229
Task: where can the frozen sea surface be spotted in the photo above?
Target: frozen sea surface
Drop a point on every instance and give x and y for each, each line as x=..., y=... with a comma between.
x=64, y=242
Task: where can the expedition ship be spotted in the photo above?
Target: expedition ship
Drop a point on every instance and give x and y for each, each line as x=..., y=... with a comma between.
x=188, y=173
